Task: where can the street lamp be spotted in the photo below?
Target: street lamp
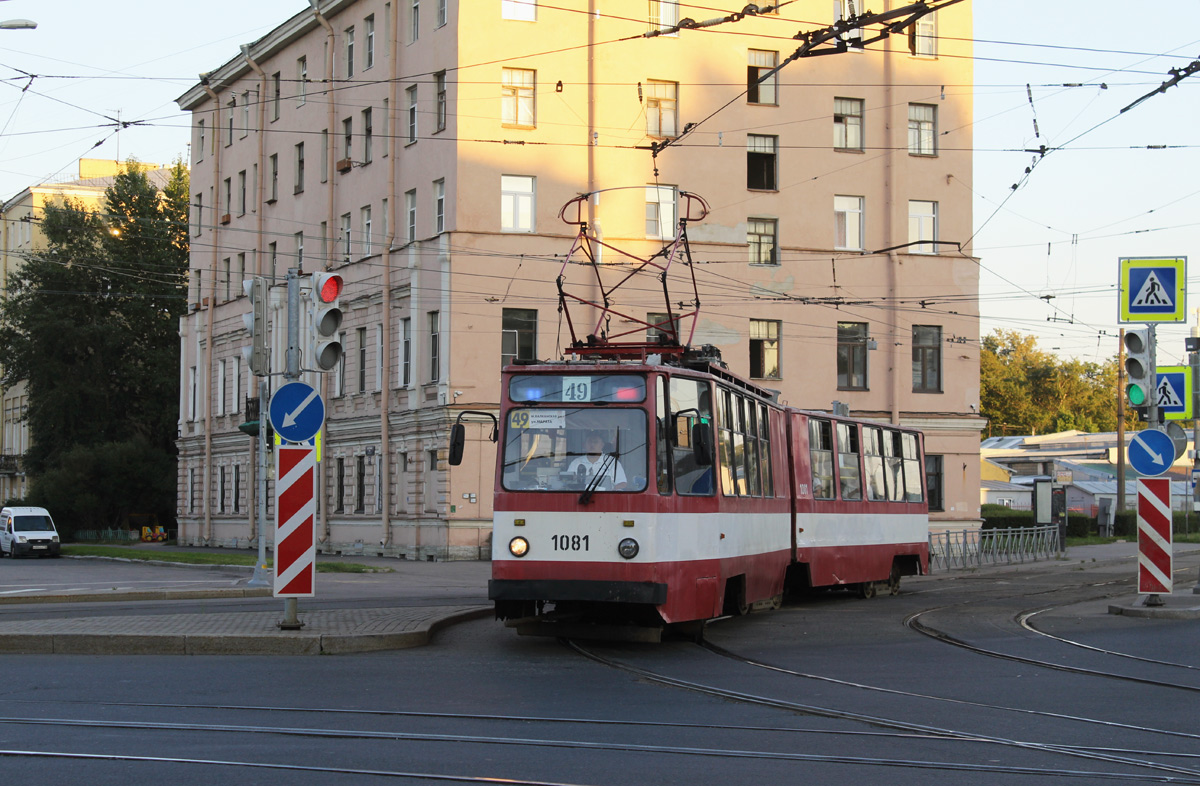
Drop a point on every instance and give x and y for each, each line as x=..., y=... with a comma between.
x=18, y=24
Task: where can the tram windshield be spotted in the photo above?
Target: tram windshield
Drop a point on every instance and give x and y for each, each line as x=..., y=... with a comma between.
x=573, y=449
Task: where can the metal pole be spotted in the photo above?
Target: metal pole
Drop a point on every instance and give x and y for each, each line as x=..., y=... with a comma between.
x=1194, y=361
x=1120, y=427
x=261, y=578
x=291, y=374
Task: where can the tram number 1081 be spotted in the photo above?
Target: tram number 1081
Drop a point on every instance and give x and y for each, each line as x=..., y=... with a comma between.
x=569, y=542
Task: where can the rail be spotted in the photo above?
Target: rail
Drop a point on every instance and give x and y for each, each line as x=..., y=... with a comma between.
x=969, y=548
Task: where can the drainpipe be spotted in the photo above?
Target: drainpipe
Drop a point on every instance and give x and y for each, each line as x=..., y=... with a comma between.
x=385, y=397
x=331, y=101
x=206, y=527
x=895, y=378
x=258, y=253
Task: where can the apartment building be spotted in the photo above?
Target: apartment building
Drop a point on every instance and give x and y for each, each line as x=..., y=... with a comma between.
x=424, y=150
x=21, y=235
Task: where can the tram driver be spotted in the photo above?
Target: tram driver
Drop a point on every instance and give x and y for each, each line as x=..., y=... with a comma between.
x=596, y=460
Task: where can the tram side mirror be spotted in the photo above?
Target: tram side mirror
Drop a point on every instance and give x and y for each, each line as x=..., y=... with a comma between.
x=458, y=439
x=702, y=445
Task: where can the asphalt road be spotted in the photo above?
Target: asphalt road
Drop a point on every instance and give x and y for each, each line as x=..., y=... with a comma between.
x=951, y=681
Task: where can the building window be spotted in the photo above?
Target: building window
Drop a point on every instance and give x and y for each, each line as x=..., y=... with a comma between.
x=439, y=206
x=518, y=335
x=660, y=212
x=848, y=124
x=369, y=43
x=199, y=220
x=405, y=364
x=367, y=135
x=348, y=138
x=761, y=164
x=379, y=356
x=845, y=9
x=848, y=222
x=301, y=81
x=410, y=212
x=435, y=360
x=246, y=113
x=227, y=203
x=339, y=499
x=365, y=222
x=662, y=329
x=339, y=373
x=220, y=489
x=922, y=36
x=662, y=109
x=242, y=193
x=922, y=226
x=935, y=482
x=439, y=81
x=362, y=359
x=516, y=203
x=299, y=249
x=274, y=166
x=221, y=379
x=412, y=114
x=922, y=130
x=663, y=13
x=764, y=348
x=441, y=13
x=346, y=247
x=276, y=94
x=299, y=168
x=852, y=355
x=519, y=10
x=414, y=21
x=758, y=90
x=349, y=41
x=760, y=236
x=229, y=122
x=273, y=256
x=516, y=97
x=199, y=141
x=386, y=120
x=927, y=359
x=237, y=488
x=430, y=490
x=360, y=484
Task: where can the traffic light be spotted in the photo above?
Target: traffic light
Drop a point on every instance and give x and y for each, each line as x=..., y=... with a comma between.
x=1140, y=373
x=256, y=324
x=327, y=318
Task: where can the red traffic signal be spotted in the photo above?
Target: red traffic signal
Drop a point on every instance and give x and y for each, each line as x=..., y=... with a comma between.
x=327, y=287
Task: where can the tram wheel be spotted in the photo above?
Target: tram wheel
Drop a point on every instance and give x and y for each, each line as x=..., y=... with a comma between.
x=894, y=583
x=866, y=590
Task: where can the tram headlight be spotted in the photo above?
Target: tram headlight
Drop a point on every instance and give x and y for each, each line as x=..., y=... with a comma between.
x=518, y=547
x=628, y=548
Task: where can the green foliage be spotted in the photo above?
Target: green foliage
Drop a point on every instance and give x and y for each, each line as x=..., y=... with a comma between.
x=91, y=325
x=1024, y=390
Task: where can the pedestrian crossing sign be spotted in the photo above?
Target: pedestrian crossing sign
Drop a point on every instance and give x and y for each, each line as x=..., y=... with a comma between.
x=1173, y=392
x=1153, y=289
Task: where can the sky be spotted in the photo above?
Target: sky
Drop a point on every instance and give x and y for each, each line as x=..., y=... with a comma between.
x=1112, y=184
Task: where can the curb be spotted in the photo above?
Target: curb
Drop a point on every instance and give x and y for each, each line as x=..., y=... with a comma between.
x=282, y=643
x=92, y=597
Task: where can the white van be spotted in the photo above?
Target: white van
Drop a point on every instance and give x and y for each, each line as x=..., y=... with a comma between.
x=27, y=531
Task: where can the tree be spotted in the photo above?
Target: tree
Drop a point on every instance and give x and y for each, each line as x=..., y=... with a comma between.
x=1024, y=390
x=91, y=324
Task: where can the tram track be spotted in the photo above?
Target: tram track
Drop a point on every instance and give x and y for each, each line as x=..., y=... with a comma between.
x=1167, y=773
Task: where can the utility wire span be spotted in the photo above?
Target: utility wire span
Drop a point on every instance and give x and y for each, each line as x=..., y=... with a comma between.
x=836, y=36
x=1177, y=76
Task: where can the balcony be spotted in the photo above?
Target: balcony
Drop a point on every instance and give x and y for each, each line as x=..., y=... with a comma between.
x=10, y=465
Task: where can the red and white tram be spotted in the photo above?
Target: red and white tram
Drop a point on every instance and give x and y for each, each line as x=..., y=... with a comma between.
x=664, y=490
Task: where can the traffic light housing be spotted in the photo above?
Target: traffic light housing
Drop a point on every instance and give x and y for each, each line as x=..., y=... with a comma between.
x=327, y=319
x=257, y=357
x=1140, y=373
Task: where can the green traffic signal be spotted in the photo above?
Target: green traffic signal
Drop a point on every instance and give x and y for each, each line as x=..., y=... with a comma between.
x=1136, y=394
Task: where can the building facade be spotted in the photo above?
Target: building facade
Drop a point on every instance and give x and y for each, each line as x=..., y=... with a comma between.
x=424, y=153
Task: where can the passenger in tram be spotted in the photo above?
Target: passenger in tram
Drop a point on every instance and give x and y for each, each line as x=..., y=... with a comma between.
x=597, y=460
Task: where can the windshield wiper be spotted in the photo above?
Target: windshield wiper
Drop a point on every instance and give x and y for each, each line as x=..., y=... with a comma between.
x=586, y=496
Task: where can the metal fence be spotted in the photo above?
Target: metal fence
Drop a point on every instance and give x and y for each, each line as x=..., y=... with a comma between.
x=969, y=548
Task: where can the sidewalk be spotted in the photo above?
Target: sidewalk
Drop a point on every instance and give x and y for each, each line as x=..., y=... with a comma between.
x=453, y=591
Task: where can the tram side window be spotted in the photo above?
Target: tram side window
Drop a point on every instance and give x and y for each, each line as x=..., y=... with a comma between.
x=690, y=406
x=663, y=454
x=739, y=444
x=750, y=456
x=820, y=449
x=895, y=468
x=848, y=471
x=725, y=441
x=912, y=468
x=764, y=446
x=873, y=458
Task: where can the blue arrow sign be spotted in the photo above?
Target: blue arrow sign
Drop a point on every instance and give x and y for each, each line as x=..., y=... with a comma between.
x=297, y=412
x=1151, y=453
